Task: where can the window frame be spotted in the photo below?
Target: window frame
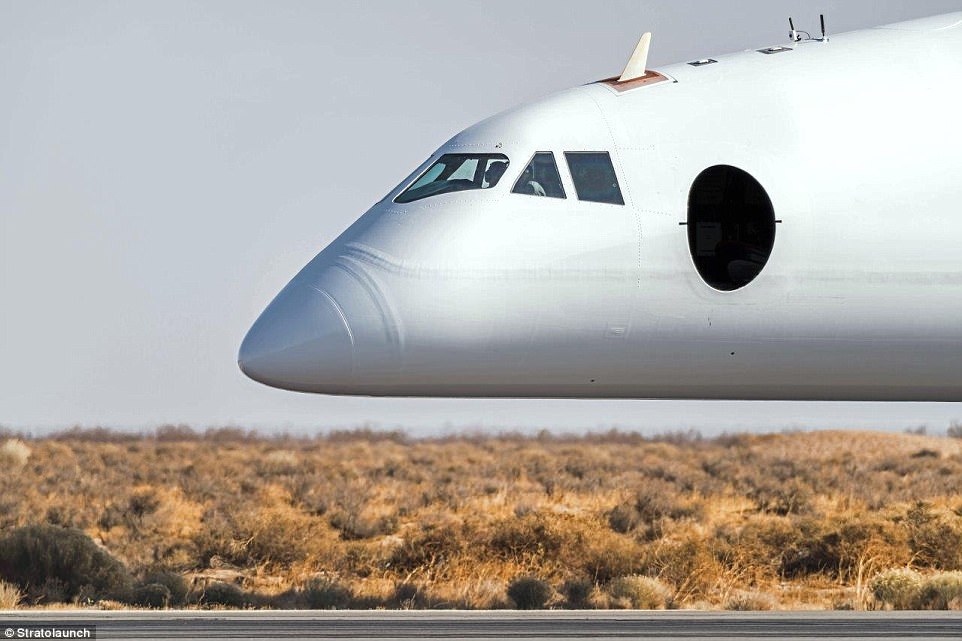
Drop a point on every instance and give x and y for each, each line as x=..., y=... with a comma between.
x=434, y=160
x=614, y=171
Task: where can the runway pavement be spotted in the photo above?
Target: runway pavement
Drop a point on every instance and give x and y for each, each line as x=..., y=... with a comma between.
x=675, y=625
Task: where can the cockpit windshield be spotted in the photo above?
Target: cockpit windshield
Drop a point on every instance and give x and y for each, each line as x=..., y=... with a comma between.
x=456, y=172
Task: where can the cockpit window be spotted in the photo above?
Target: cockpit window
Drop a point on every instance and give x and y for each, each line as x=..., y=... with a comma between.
x=456, y=172
x=594, y=177
x=540, y=177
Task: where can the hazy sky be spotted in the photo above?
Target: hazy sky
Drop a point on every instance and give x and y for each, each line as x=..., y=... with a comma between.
x=166, y=167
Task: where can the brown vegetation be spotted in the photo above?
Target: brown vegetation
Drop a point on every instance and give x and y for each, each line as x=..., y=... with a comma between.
x=366, y=519
x=9, y=596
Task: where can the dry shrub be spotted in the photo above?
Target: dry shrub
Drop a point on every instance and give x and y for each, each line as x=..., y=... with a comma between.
x=275, y=535
x=152, y=595
x=529, y=593
x=14, y=454
x=786, y=497
x=360, y=559
x=355, y=513
x=796, y=547
x=61, y=564
x=366, y=435
x=243, y=540
x=836, y=546
x=657, y=501
x=409, y=596
x=638, y=593
x=648, y=510
x=142, y=502
x=217, y=540
x=96, y=435
x=815, y=550
x=432, y=546
x=174, y=583
x=175, y=433
x=535, y=536
x=354, y=526
x=172, y=527
x=10, y=596
x=750, y=601
x=67, y=516
x=935, y=540
x=577, y=593
x=471, y=593
x=156, y=526
x=897, y=589
x=279, y=462
x=861, y=539
x=232, y=435
x=689, y=565
x=224, y=594
x=607, y=556
x=623, y=518
x=758, y=544
x=941, y=592
x=326, y=593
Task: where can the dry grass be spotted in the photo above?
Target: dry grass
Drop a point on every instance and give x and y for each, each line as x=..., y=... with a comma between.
x=10, y=596
x=365, y=519
x=638, y=593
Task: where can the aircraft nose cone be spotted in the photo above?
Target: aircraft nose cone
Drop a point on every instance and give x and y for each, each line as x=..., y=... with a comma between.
x=301, y=342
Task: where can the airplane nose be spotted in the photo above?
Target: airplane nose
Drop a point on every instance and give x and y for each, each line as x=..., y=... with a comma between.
x=301, y=342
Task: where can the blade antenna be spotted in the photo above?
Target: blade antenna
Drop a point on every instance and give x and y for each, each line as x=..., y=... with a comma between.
x=793, y=34
x=824, y=33
x=637, y=66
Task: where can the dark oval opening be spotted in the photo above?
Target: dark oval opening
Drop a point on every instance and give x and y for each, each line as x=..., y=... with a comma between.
x=731, y=227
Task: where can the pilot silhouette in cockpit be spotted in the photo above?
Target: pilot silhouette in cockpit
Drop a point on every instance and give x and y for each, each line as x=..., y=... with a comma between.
x=528, y=185
x=494, y=172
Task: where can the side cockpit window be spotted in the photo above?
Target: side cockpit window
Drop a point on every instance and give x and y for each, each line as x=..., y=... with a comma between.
x=540, y=177
x=594, y=177
x=456, y=172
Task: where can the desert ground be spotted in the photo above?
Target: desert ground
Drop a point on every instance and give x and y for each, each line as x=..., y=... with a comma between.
x=365, y=519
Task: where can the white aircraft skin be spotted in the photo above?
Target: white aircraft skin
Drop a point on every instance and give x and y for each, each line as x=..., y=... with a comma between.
x=857, y=141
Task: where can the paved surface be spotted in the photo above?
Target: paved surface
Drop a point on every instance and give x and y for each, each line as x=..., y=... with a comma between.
x=494, y=625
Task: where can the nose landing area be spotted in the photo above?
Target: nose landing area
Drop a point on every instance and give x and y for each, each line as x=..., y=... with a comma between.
x=301, y=342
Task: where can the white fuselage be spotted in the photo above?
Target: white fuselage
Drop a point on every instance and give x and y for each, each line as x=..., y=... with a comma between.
x=857, y=142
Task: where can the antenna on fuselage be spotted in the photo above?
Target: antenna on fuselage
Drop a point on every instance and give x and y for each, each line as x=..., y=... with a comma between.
x=793, y=34
x=824, y=37
x=637, y=66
